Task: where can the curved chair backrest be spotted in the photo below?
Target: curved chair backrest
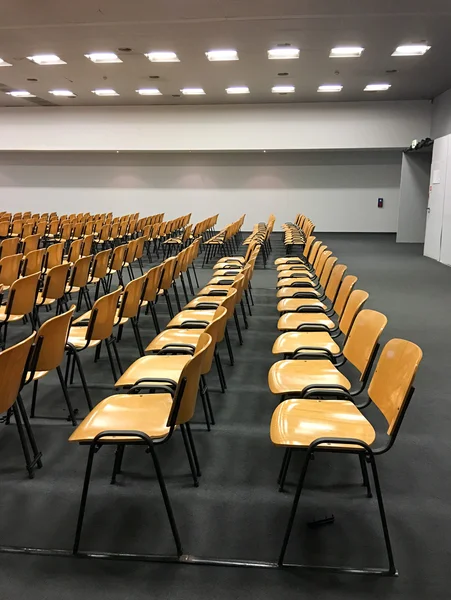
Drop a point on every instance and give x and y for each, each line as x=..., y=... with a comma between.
x=327, y=270
x=34, y=262
x=17, y=225
x=55, y=255
x=325, y=254
x=87, y=245
x=80, y=272
x=55, y=282
x=89, y=227
x=139, y=248
x=216, y=330
x=100, y=266
x=31, y=242
x=391, y=385
x=357, y=299
x=27, y=230
x=238, y=284
x=343, y=293
x=9, y=247
x=168, y=272
x=10, y=268
x=322, y=248
x=314, y=251
x=75, y=250
x=188, y=386
x=53, y=227
x=4, y=227
x=153, y=283
x=22, y=295
x=362, y=341
x=12, y=367
x=334, y=282
x=53, y=335
x=41, y=228
x=229, y=302
x=117, y=260
x=132, y=297
x=103, y=316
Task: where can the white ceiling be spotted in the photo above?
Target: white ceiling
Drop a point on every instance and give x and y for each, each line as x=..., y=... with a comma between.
x=190, y=27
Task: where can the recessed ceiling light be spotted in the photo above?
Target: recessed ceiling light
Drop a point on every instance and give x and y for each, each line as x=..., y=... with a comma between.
x=21, y=94
x=282, y=89
x=411, y=50
x=346, y=52
x=149, y=92
x=239, y=89
x=47, y=59
x=103, y=57
x=377, y=87
x=63, y=93
x=3, y=63
x=217, y=55
x=105, y=92
x=330, y=88
x=162, y=57
x=283, y=53
x=192, y=91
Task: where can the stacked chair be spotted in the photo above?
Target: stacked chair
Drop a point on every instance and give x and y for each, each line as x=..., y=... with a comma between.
x=325, y=327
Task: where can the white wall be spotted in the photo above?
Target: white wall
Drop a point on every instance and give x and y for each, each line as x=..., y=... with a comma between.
x=441, y=115
x=328, y=125
x=413, y=198
x=338, y=190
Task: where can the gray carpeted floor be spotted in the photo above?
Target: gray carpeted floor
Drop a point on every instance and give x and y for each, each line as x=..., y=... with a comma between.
x=237, y=511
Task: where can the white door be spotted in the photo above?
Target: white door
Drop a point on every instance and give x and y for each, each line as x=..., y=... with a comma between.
x=434, y=219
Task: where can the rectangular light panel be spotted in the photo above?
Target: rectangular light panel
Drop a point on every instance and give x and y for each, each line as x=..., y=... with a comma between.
x=149, y=92
x=62, y=93
x=46, y=59
x=192, y=91
x=330, y=88
x=219, y=55
x=411, y=50
x=346, y=52
x=239, y=89
x=103, y=57
x=162, y=57
x=283, y=89
x=105, y=92
x=21, y=94
x=283, y=53
x=377, y=87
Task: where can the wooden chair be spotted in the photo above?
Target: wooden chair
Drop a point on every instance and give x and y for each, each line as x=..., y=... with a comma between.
x=129, y=307
x=30, y=243
x=8, y=247
x=90, y=330
x=299, y=375
x=146, y=419
x=75, y=251
x=33, y=262
x=99, y=271
x=78, y=281
x=20, y=303
x=317, y=425
x=87, y=242
x=48, y=354
x=173, y=340
x=14, y=362
x=10, y=270
x=117, y=264
x=54, y=289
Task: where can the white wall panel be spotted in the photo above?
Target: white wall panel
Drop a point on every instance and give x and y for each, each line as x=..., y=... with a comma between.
x=338, y=190
x=323, y=125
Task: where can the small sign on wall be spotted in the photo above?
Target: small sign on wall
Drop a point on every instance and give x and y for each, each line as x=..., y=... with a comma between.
x=436, y=176
x=380, y=203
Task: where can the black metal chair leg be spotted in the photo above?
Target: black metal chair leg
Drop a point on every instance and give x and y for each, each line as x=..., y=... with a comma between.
x=238, y=327
x=138, y=339
x=250, y=293
x=84, y=496
x=193, y=449
x=246, y=295
x=229, y=346
x=168, y=302
x=76, y=358
x=190, y=282
x=167, y=503
x=182, y=279
x=195, y=275
x=205, y=407
x=294, y=509
x=220, y=373
x=117, y=467
x=36, y=454
x=23, y=441
x=366, y=479
x=192, y=465
x=284, y=471
x=153, y=312
x=98, y=350
x=33, y=398
x=246, y=324
x=116, y=354
x=66, y=396
x=110, y=357
x=207, y=398
x=176, y=294
x=391, y=562
x=221, y=369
